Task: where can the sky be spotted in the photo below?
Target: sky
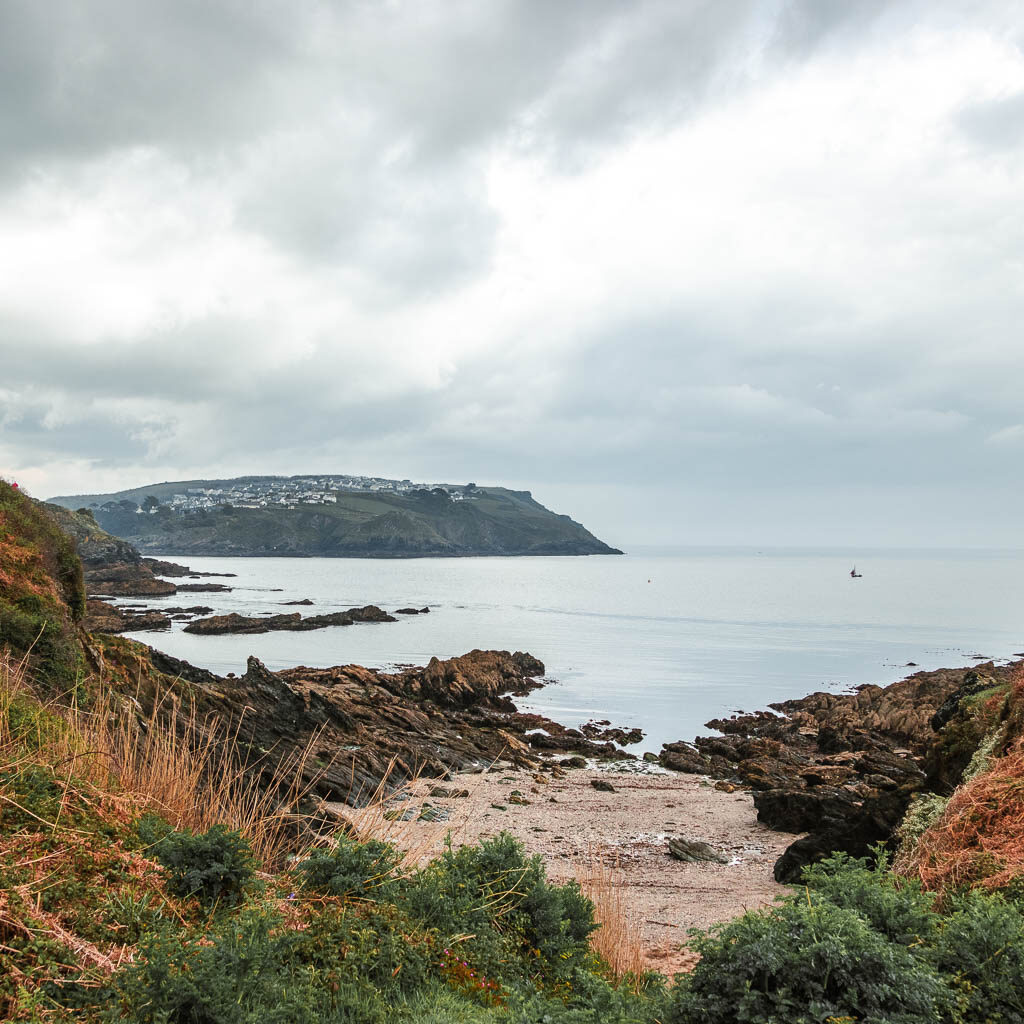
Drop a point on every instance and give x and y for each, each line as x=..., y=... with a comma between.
x=691, y=271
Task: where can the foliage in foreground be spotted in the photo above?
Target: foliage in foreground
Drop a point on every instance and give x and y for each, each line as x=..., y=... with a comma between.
x=857, y=943
x=107, y=917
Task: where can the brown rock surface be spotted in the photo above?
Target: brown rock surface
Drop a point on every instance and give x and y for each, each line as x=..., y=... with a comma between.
x=101, y=617
x=842, y=766
x=162, y=568
x=369, y=726
x=217, y=625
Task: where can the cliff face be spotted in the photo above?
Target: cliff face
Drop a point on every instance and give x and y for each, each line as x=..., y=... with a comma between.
x=422, y=523
x=111, y=566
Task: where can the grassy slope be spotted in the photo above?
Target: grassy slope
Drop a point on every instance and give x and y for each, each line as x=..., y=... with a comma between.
x=42, y=596
x=498, y=522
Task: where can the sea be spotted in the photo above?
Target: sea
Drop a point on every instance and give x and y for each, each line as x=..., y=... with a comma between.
x=661, y=638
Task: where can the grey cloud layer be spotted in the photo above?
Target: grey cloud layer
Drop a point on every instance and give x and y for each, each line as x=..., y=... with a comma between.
x=356, y=153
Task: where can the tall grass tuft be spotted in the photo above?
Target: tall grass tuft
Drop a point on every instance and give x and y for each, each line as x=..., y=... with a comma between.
x=619, y=939
x=188, y=769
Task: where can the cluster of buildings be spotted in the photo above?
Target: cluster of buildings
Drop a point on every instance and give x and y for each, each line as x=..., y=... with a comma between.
x=290, y=492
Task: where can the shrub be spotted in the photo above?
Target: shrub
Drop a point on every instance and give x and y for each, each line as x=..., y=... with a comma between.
x=378, y=944
x=805, y=961
x=590, y=999
x=895, y=907
x=246, y=974
x=502, y=899
x=366, y=869
x=981, y=950
x=214, y=866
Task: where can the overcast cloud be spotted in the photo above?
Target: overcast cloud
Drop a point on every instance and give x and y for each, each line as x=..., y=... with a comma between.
x=693, y=271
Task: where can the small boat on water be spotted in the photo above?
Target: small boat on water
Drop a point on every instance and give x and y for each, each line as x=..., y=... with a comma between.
x=856, y=575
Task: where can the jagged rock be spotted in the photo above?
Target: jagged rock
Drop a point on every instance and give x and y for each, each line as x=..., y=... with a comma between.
x=602, y=785
x=600, y=731
x=126, y=581
x=217, y=625
x=205, y=588
x=304, y=601
x=682, y=757
x=694, y=851
x=845, y=766
x=975, y=681
x=101, y=617
x=162, y=568
x=475, y=676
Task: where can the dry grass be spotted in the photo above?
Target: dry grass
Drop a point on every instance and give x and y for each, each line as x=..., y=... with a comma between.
x=619, y=940
x=979, y=837
x=189, y=770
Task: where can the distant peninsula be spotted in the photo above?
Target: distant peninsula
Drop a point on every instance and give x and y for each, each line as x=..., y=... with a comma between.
x=334, y=516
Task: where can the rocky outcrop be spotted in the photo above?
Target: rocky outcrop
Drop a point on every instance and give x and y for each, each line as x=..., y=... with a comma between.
x=844, y=767
x=111, y=567
x=604, y=730
x=127, y=579
x=478, y=676
x=368, y=726
x=162, y=568
x=216, y=625
x=101, y=617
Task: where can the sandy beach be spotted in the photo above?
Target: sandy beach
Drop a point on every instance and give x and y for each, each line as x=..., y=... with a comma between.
x=571, y=823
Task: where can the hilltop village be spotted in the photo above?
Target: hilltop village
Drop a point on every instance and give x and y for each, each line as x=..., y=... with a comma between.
x=289, y=492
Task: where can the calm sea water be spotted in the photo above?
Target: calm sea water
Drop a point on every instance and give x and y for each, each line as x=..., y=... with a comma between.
x=660, y=639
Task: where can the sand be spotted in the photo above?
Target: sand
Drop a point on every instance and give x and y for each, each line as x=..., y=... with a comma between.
x=570, y=823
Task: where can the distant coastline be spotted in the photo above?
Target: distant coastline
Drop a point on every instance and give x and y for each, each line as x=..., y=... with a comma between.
x=335, y=517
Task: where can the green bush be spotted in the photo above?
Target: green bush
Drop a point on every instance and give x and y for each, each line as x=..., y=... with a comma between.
x=981, y=951
x=376, y=943
x=353, y=869
x=805, y=961
x=590, y=999
x=248, y=973
x=893, y=906
x=501, y=898
x=214, y=866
